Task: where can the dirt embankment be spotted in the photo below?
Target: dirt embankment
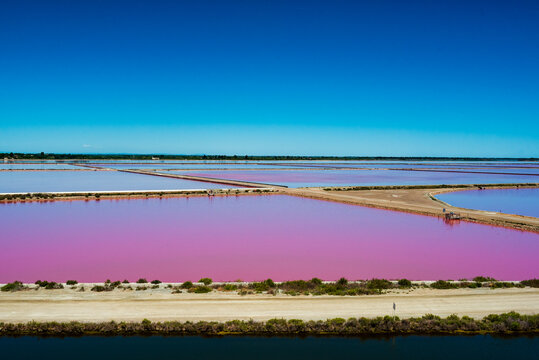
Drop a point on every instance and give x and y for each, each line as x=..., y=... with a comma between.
x=162, y=305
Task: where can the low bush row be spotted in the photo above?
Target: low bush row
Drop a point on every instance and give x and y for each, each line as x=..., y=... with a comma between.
x=314, y=286
x=509, y=323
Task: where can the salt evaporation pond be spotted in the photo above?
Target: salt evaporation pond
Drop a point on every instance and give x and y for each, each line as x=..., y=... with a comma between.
x=508, y=201
x=414, y=165
x=249, y=238
x=311, y=178
x=38, y=166
x=65, y=181
x=474, y=169
x=235, y=347
x=193, y=166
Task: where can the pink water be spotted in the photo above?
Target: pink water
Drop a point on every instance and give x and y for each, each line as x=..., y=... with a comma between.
x=249, y=238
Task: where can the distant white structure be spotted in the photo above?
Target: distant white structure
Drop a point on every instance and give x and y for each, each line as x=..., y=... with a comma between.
x=155, y=158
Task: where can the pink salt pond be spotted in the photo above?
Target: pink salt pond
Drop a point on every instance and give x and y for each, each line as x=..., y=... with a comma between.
x=249, y=238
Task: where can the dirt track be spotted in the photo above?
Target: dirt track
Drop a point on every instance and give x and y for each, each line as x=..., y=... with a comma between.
x=160, y=305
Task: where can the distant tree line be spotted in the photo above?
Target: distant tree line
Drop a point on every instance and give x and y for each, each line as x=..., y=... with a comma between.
x=55, y=156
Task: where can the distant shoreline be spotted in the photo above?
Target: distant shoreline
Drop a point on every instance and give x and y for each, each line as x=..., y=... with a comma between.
x=60, y=156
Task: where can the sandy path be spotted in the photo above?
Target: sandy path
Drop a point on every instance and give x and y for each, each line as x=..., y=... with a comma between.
x=160, y=305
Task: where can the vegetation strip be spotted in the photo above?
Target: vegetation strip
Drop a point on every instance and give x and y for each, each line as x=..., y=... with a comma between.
x=508, y=323
x=314, y=286
x=96, y=195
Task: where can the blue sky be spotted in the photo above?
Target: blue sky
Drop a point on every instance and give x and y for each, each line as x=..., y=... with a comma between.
x=402, y=78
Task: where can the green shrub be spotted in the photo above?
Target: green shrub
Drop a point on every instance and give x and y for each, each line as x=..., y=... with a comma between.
x=156, y=282
x=72, y=282
x=206, y=281
x=501, y=284
x=52, y=286
x=483, y=279
x=270, y=283
x=200, y=289
x=142, y=281
x=230, y=287
x=100, y=288
x=297, y=286
x=404, y=283
x=342, y=282
x=125, y=282
x=532, y=283
x=442, y=284
x=259, y=286
x=13, y=286
x=186, y=285
x=316, y=281
x=41, y=283
x=379, y=284
x=336, y=321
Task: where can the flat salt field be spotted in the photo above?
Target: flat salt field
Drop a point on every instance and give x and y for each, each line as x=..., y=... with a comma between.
x=321, y=178
x=249, y=238
x=509, y=201
x=65, y=181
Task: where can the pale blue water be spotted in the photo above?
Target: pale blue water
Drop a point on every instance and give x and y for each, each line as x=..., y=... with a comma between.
x=62, y=181
x=310, y=178
x=509, y=201
x=37, y=166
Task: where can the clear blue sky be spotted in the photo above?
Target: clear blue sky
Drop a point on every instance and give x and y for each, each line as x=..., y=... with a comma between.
x=433, y=78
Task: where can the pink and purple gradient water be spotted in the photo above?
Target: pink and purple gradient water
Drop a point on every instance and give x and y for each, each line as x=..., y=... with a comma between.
x=249, y=238
x=309, y=178
x=509, y=201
